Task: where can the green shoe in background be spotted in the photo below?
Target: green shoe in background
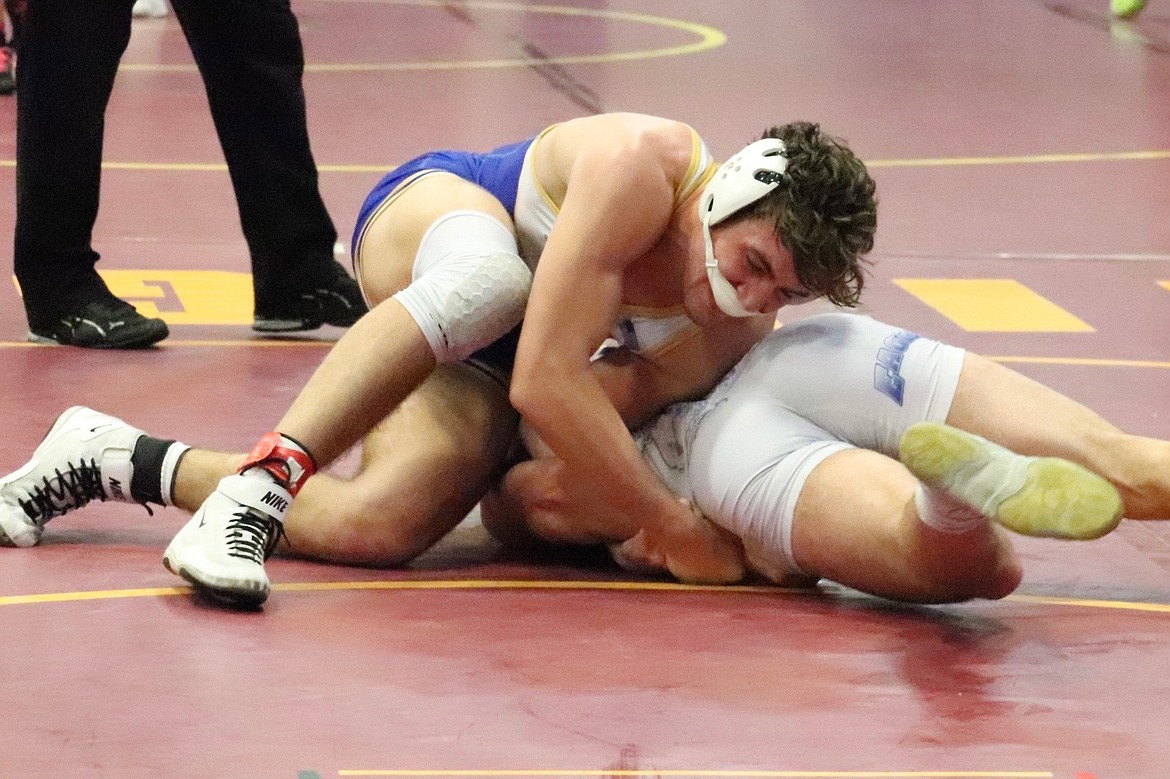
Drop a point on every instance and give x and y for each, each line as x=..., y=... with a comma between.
x=1126, y=9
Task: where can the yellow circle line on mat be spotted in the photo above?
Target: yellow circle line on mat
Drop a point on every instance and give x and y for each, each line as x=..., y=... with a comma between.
x=1086, y=361
x=709, y=38
x=1025, y=159
x=522, y=584
x=403, y=584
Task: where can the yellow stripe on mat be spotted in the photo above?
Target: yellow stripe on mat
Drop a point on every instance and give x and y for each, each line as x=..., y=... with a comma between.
x=993, y=305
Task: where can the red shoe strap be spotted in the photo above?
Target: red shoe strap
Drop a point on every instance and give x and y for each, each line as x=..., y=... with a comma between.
x=287, y=461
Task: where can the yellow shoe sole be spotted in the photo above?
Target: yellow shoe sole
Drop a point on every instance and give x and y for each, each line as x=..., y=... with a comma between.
x=1062, y=500
x=1126, y=9
x=933, y=452
x=1058, y=499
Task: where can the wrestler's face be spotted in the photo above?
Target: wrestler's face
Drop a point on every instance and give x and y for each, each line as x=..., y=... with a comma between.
x=757, y=265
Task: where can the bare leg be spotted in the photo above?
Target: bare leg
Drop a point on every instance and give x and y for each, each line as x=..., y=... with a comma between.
x=198, y=474
x=383, y=357
x=1025, y=416
x=856, y=523
x=422, y=471
x=366, y=374
x=369, y=372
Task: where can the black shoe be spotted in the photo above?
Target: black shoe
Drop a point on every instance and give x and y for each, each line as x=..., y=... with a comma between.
x=103, y=323
x=336, y=302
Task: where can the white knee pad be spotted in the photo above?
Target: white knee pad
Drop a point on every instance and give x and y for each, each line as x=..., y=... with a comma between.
x=469, y=284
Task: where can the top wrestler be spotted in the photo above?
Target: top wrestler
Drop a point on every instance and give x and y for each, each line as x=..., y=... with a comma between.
x=617, y=224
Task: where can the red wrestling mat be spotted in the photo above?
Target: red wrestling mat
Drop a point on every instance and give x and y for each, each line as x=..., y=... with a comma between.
x=1021, y=143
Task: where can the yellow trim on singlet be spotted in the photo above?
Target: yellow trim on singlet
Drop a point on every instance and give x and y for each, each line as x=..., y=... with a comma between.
x=700, y=171
x=626, y=312
x=554, y=205
x=683, y=335
x=650, y=312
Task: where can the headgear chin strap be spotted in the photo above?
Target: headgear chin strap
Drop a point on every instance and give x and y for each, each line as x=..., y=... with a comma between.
x=741, y=181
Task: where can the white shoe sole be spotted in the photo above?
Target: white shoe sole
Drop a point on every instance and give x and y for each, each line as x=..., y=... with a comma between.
x=247, y=594
x=214, y=549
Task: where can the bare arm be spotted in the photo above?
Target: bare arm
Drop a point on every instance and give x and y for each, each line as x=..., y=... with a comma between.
x=539, y=502
x=617, y=205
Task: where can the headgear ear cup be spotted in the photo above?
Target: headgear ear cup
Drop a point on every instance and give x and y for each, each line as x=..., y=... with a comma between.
x=741, y=181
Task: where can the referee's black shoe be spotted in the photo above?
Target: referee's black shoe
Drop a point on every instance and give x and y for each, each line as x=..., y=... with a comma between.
x=106, y=322
x=335, y=301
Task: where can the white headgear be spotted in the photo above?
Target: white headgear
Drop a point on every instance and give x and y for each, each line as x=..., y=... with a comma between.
x=742, y=180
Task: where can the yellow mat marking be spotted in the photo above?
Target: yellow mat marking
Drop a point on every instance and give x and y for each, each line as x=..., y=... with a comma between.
x=993, y=305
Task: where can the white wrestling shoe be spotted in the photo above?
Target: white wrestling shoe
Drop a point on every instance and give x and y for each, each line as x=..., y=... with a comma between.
x=150, y=9
x=1035, y=496
x=223, y=547
x=85, y=456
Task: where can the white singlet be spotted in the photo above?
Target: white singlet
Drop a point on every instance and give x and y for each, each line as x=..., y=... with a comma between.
x=811, y=388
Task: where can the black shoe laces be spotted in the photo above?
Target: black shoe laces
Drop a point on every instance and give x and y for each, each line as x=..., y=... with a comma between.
x=253, y=536
x=64, y=491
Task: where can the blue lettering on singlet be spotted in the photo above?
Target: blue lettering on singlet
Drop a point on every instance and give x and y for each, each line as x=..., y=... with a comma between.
x=887, y=377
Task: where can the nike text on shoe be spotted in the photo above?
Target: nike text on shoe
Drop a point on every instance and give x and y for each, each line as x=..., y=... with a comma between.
x=336, y=302
x=1034, y=496
x=223, y=547
x=104, y=323
x=85, y=456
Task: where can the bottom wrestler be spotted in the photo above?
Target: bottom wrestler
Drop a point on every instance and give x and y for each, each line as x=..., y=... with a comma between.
x=846, y=449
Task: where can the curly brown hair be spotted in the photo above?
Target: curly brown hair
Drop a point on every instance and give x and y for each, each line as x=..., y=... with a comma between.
x=825, y=211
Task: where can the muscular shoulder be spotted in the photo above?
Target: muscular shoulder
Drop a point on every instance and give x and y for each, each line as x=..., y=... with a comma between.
x=622, y=138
